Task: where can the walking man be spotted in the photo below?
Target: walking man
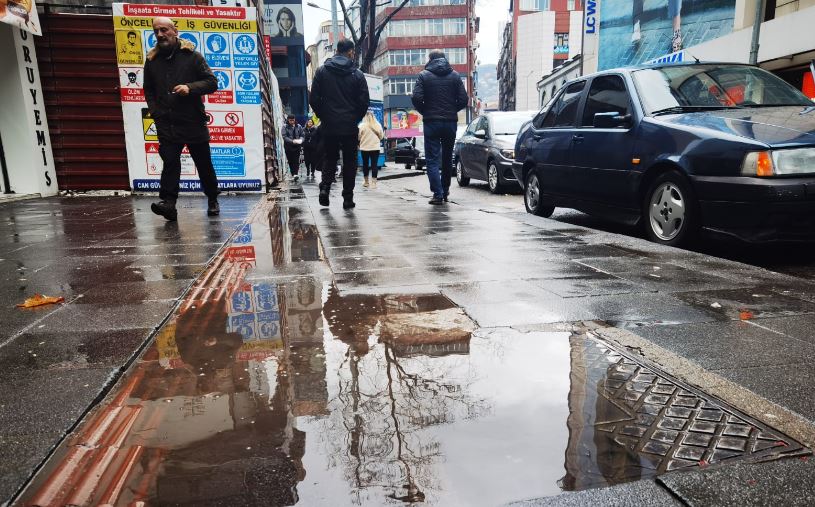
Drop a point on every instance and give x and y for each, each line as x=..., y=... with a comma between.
x=176, y=78
x=339, y=97
x=293, y=136
x=439, y=95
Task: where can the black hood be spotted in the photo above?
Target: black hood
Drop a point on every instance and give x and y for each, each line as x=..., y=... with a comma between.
x=340, y=64
x=439, y=66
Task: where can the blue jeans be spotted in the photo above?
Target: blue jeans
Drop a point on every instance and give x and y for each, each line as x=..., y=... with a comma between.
x=439, y=138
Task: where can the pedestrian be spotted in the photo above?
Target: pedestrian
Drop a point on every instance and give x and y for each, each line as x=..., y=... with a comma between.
x=439, y=95
x=311, y=148
x=339, y=97
x=176, y=78
x=293, y=136
x=370, y=137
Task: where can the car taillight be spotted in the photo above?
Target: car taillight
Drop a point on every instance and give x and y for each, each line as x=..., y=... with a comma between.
x=758, y=163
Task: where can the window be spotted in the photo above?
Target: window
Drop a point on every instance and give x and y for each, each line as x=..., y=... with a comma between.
x=563, y=112
x=456, y=56
x=570, y=5
x=401, y=86
x=606, y=95
x=541, y=118
x=471, y=126
x=435, y=26
x=534, y=5
x=455, y=26
x=561, y=43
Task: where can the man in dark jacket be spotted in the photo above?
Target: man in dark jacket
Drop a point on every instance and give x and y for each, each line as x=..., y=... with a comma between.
x=339, y=96
x=439, y=95
x=293, y=144
x=176, y=77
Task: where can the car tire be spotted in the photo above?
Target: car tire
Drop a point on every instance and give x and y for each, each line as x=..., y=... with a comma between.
x=461, y=179
x=493, y=178
x=419, y=167
x=407, y=166
x=670, y=211
x=533, y=197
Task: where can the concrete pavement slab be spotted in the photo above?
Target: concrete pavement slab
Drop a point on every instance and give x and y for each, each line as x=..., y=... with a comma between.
x=634, y=494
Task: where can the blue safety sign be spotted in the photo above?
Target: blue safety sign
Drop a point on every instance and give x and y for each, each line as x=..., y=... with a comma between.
x=245, y=51
x=223, y=79
x=149, y=40
x=216, y=50
x=244, y=324
x=228, y=160
x=248, y=86
x=244, y=236
x=265, y=297
x=192, y=37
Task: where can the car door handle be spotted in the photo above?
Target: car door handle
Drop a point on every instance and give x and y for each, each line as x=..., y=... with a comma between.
x=577, y=138
x=537, y=136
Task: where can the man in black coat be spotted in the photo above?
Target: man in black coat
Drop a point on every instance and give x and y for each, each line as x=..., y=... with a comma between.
x=439, y=95
x=176, y=78
x=339, y=96
x=293, y=136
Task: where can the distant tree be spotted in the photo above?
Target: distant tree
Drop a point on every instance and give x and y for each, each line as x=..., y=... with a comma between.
x=367, y=38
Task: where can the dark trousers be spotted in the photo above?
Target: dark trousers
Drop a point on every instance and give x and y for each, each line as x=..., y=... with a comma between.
x=293, y=157
x=310, y=159
x=348, y=144
x=170, y=154
x=370, y=161
x=439, y=139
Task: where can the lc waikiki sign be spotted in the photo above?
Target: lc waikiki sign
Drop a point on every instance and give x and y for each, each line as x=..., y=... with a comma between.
x=227, y=37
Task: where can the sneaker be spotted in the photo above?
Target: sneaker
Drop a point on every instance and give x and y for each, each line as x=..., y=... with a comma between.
x=436, y=201
x=373, y=183
x=445, y=199
x=323, y=198
x=213, y=208
x=348, y=204
x=296, y=178
x=676, y=42
x=365, y=182
x=636, y=34
x=165, y=209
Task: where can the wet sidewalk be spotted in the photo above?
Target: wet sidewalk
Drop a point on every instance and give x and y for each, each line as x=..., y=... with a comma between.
x=401, y=353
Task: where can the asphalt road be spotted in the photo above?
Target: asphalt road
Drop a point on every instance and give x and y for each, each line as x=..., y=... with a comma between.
x=795, y=260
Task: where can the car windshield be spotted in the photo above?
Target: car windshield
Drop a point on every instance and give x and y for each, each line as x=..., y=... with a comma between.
x=509, y=124
x=708, y=86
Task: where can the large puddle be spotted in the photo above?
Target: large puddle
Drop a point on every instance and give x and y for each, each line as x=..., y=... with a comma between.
x=278, y=390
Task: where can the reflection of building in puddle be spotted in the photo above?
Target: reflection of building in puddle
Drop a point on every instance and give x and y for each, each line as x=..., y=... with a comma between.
x=293, y=240
x=389, y=391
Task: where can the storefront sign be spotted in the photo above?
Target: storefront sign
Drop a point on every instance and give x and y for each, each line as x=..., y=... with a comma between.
x=227, y=38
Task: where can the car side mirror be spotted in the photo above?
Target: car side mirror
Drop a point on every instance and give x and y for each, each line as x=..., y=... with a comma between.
x=481, y=134
x=611, y=120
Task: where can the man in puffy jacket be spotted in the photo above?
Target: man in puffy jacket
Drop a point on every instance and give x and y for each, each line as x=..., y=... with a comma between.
x=293, y=135
x=339, y=97
x=176, y=78
x=439, y=95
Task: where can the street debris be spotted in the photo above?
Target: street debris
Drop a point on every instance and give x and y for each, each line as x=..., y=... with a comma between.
x=715, y=305
x=40, y=300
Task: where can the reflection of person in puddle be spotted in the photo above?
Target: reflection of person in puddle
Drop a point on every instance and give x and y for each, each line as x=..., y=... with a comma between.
x=352, y=318
x=203, y=341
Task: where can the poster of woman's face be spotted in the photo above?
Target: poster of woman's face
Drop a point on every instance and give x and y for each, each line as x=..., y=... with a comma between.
x=283, y=20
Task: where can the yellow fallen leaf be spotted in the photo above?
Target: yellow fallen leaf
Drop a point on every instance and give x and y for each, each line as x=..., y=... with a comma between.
x=39, y=300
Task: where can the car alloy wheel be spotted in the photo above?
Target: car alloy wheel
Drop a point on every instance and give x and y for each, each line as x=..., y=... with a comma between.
x=462, y=180
x=492, y=178
x=669, y=210
x=533, y=198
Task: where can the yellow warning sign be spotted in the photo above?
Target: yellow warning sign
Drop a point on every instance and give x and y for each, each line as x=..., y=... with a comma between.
x=149, y=126
x=129, y=48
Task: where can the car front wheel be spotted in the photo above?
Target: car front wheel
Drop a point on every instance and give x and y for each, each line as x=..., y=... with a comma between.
x=533, y=198
x=461, y=179
x=669, y=210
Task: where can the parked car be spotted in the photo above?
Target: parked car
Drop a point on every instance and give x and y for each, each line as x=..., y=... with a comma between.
x=487, y=147
x=678, y=148
x=409, y=151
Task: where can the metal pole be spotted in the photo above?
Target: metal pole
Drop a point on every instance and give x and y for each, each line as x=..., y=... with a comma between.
x=335, y=30
x=756, y=32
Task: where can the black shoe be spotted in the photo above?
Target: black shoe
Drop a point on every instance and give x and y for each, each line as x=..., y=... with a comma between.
x=165, y=209
x=213, y=208
x=348, y=204
x=436, y=201
x=323, y=198
x=445, y=199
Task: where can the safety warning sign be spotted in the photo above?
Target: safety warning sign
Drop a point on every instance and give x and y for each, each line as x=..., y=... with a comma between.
x=227, y=39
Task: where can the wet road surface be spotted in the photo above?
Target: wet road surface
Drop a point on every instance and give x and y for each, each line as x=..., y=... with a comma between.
x=378, y=357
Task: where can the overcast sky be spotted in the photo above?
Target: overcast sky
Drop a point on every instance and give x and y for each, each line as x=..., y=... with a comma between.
x=493, y=14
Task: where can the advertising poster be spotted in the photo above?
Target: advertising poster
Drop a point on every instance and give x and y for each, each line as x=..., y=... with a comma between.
x=22, y=14
x=227, y=38
x=404, y=123
x=283, y=22
x=638, y=31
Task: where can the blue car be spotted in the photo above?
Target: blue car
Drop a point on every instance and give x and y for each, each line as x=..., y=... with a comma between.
x=677, y=149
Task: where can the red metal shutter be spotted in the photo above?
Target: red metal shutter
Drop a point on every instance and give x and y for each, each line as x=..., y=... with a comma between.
x=77, y=61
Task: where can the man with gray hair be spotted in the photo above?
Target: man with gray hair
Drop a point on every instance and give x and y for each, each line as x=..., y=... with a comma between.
x=439, y=95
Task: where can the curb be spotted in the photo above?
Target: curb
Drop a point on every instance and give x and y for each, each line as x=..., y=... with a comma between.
x=401, y=175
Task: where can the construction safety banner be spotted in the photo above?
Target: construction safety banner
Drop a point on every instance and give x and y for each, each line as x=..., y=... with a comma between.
x=227, y=38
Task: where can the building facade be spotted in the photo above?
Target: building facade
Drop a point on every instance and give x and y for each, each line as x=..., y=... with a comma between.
x=283, y=25
x=418, y=28
x=505, y=71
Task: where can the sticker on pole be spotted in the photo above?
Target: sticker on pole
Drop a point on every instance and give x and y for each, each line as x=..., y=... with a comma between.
x=245, y=51
x=248, y=87
x=226, y=127
x=224, y=94
x=216, y=50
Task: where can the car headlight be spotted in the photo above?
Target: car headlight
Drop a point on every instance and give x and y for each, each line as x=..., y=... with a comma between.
x=779, y=162
x=510, y=154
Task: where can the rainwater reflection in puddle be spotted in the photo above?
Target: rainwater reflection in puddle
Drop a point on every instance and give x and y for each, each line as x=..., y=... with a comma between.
x=283, y=391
